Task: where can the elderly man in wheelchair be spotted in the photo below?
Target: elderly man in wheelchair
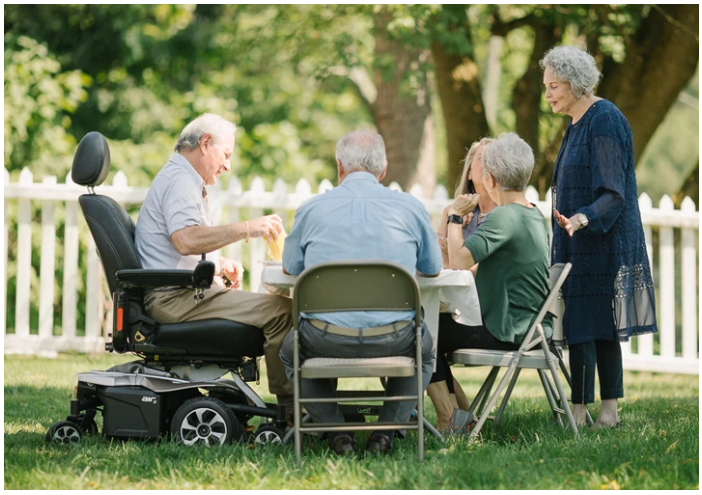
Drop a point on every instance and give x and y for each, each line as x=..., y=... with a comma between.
x=177, y=309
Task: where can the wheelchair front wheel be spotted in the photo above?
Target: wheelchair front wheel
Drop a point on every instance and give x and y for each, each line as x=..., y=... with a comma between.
x=64, y=433
x=269, y=434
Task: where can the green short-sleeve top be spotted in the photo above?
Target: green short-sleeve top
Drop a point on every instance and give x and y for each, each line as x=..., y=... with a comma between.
x=511, y=245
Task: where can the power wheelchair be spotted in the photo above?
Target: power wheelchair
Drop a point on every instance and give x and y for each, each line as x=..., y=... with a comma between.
x=178, y=384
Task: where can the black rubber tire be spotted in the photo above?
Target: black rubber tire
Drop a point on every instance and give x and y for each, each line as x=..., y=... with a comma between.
x=206, y=421
x=268, y=434
x=64, y=433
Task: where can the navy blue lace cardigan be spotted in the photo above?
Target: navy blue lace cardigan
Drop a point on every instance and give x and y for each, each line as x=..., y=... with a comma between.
x=609, y=292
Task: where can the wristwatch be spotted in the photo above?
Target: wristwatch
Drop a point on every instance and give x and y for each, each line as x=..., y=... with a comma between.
x=455, y=219
x=582, y=220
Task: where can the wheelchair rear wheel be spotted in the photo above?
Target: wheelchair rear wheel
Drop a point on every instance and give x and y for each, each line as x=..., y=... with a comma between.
x=206, y=421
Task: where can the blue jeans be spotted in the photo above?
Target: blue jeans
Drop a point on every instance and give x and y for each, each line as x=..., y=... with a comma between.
x=316, y=343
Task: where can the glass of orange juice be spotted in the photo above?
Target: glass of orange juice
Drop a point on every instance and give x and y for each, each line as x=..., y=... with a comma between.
x=275, y=247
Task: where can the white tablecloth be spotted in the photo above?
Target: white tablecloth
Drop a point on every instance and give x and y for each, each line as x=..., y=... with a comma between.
x=456, y=287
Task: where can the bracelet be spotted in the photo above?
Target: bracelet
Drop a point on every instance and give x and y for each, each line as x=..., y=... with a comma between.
x=247, y=232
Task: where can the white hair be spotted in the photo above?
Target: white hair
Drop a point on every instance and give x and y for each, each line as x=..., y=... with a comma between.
x=509, y=160
x=362, y=150
x=208, y=123
x=572, y=65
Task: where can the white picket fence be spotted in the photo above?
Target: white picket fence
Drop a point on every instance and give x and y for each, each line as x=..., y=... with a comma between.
x=661, y=352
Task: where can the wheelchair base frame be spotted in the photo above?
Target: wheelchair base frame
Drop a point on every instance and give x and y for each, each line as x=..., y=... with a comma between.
x=138, y=399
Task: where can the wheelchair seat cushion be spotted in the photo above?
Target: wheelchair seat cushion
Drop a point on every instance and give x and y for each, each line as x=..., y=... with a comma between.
x=212, y=337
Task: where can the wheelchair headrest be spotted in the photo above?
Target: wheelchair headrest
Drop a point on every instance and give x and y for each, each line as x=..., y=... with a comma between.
x=91, y=162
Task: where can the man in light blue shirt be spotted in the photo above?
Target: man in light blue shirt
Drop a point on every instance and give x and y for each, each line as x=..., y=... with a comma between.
x=361, y=219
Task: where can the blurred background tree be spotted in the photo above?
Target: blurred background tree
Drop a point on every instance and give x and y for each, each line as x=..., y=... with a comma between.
x=430, y=79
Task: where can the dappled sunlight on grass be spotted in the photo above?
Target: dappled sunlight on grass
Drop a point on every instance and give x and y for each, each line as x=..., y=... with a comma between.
x=657, y=446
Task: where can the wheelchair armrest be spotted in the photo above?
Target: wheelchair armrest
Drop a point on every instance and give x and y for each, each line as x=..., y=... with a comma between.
x=200, y=278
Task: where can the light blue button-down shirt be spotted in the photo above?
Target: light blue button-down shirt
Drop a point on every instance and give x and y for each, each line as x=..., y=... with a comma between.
x=362, y=219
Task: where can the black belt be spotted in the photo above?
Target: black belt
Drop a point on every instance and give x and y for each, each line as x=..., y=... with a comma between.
x=359, y=332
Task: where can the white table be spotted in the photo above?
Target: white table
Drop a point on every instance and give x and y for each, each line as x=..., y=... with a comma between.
x=456, y=287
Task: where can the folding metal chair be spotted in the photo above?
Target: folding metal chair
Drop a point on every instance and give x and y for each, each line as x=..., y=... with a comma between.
x=357, y=286
x=533, y=353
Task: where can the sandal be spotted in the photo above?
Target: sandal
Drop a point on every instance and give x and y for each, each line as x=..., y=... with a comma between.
x=459, y=422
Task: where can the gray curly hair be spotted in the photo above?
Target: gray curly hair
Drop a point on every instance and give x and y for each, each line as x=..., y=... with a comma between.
x=207, y=123
x=573, y=65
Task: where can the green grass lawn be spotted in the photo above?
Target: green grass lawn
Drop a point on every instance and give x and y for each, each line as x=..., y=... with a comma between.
x=657, y=446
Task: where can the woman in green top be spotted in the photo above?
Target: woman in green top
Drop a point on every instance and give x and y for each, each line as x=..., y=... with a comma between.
x=511, y=245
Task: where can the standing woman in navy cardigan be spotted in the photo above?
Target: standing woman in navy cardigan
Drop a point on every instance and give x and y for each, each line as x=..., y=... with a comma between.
x=597, y=227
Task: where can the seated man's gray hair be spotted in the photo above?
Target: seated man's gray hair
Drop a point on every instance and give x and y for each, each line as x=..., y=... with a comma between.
x=510, y=160
x=207, y=123
x=362, y=150
x=572, y=65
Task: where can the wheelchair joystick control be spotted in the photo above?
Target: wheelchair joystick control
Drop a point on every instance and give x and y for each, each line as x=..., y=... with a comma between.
x=199, y=295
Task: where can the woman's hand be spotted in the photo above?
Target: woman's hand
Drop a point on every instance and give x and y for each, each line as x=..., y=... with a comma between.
x=468, y=218
x=443, y=243
x=568, y=224
x=465, y=204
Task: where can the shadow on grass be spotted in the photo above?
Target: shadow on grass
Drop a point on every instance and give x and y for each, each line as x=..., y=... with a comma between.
x=657, y=447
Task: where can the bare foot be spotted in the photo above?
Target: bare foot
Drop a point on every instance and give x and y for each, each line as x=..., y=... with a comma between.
x=609, y=416
x=580, y=414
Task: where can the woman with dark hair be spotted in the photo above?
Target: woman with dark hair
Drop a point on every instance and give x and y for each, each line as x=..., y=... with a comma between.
x=472, y=185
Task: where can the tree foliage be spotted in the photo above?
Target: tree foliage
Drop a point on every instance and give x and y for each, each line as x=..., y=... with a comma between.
x=296, y=77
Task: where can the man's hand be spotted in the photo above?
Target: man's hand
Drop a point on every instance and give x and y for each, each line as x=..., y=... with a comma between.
x=233, y=270
x=465, y=204
x=268, y=227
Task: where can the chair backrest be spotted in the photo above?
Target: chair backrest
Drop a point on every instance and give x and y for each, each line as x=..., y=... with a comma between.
x=557, y=275
x=110, y=225
x=358, y=285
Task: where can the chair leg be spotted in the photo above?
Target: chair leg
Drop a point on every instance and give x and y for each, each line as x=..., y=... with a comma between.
x=432, y=430
x=476, y=400
x=508, y=393
x=297, y=412
x=559, y=387
x=493, y=399
x=420, y=392
x=291, y=432
x=548, y=390
x=488, y=384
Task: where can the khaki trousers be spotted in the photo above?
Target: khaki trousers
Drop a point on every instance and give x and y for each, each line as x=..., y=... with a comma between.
x=272, y=314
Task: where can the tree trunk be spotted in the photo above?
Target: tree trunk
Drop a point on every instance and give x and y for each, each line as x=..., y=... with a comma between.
x=691, y=188
x=660, y=60
x=402, y=112
x=526, y=99
x=458, y=86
